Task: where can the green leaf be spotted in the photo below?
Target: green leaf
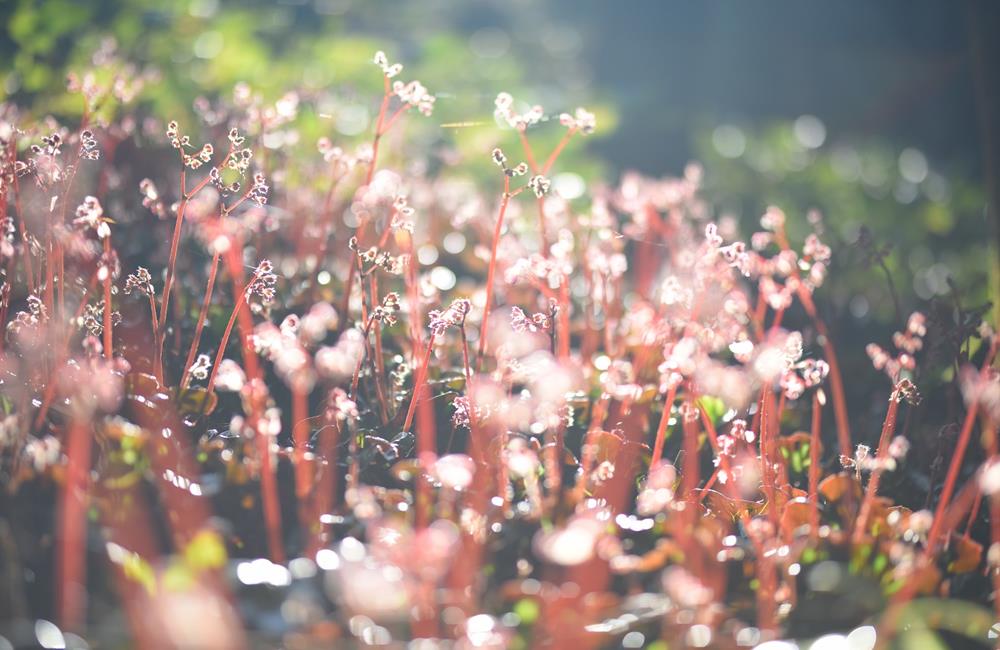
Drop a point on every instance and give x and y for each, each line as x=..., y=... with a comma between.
x=713, y=407
x=527, y=610
x=205, y=551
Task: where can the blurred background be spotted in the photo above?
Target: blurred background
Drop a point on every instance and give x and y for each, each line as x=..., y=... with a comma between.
x=883, y=116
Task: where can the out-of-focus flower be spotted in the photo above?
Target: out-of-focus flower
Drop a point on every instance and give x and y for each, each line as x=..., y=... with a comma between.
x=340, y=407
x=454, y=471
x=388, y=69
x=581, y=120
x=453, y=316
x=90, y=214
x=229, y=377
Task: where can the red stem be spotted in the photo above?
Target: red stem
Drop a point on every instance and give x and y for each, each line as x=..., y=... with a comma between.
x=504, y=201
x=888, y=427
x=352, y=270
x=836, y=382
x=558, y=150
x=300, y=436
x=424, y=443
x=206, y=302
x=814, y=459
x=661, y=430
x=958, y=456
x=72, y=569
x=108, y=348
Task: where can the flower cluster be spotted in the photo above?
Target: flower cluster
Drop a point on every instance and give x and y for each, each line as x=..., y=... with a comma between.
x=504, y=112
x=239, y=160
x=92, y=319
x=140, y=281
x=51, y=146
x=340, y=407
x=907, y=343
x=30, y=318
x=88, y=146
x=262, y=283
x=500, y=160
x=453, y=316
x=90, y=214
x=581, y=120
x=390, y=70
x=151, y=198
x=539, y=185
x=385, y=313
x=414, y=95
x=521, y=323
x=259, y=189
x=202, y=157
x=865, y=461
x=800, y=374
x=199, y=369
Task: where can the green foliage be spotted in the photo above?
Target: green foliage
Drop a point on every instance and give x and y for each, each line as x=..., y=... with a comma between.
x=926, y=226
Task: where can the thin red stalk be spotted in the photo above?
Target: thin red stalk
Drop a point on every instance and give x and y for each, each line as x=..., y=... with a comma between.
x=175, y=240
x=661, y=430
x=157, y=359
x=357, y=371
x=168, y=282
x=61, y=279
x=395, y=117
x=50, y=388
x=504, y=201
x=779, y=458
x=973, y=514
x=533, y=164
x=588, y=450
x=814, y=459
x=413, y=300
x=558, y=150
x=836, y=382
x=425, y=444
x=22, y=227
x=174, y=244
x=528, y=153
x=300, y=436
x=713, y=438
x=958, y=456
x=563, y=320
x=503, y=473
x=268, y=483
x=379, y=132
x=202, y=314
x=888, y=428
x=990, y=435
x=108, y=340
x=836, y=386
x=690, y=473
x=326, y=218
x=220, y=353
x=543, y=240
x=767, y=467
x=49, y=296
x=326, y=495
x=386, y=96
x=426, y=451
x=72, y=569
x=379, y=364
